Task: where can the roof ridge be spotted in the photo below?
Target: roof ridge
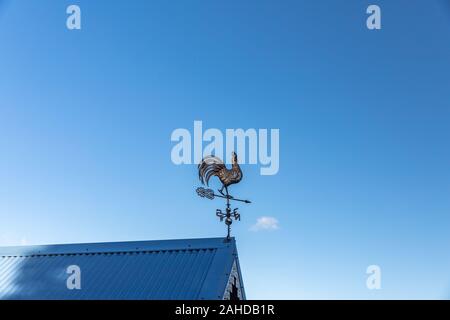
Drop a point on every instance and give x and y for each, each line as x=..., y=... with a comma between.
x=118, y=252
x=127, y=246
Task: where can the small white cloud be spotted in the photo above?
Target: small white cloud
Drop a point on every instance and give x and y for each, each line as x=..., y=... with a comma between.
x=265, y=223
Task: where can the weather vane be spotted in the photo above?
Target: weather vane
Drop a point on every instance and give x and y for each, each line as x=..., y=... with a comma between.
x=214, y=166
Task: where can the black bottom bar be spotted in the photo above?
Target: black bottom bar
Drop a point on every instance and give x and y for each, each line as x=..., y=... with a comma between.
x=279, y=309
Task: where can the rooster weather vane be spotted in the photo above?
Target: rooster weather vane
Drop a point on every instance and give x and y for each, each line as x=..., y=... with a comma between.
x=213, y=166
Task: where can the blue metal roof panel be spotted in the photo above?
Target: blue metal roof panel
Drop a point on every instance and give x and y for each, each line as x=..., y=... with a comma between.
x=170, y=269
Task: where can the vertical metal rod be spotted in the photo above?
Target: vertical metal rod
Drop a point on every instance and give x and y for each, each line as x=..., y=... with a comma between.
x=228, y=219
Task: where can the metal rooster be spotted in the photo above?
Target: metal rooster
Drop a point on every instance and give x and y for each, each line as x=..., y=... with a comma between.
x=214, y=166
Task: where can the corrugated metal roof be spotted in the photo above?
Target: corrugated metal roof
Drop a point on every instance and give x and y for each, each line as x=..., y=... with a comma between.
x=168, y=269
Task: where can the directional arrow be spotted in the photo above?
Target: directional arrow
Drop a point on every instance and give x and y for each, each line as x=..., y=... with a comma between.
x=209, y=194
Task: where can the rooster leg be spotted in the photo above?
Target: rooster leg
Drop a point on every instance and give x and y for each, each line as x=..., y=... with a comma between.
x=221, y=190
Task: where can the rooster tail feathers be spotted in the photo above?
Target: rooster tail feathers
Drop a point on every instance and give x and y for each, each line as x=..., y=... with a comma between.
x=208, y=167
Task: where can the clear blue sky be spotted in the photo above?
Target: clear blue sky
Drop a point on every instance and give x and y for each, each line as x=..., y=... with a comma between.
x=364, y=118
